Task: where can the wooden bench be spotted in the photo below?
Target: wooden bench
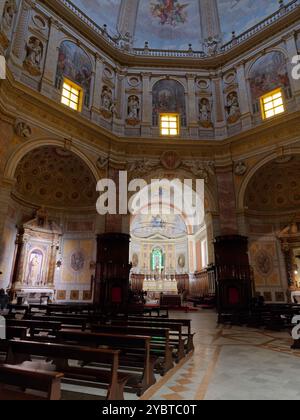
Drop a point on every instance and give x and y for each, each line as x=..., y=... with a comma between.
x=175, y=330
x=65, y=321
x=12, y=333
x=160, y=342
x=26, y=379
x=186, y=323
x=35, y=326
x=60, y=354
x=135, y=354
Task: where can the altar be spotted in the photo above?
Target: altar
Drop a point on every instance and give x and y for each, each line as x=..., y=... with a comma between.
x=160, y=285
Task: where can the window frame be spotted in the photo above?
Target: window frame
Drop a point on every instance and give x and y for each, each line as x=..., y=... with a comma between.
x=262, y=104
x=169, y=114
x=80, y=96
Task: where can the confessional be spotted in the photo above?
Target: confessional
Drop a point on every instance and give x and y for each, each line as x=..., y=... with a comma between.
x=234, y=286
x=112, y=273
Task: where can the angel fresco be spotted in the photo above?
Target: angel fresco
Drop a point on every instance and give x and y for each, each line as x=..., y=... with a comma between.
x=170, y=12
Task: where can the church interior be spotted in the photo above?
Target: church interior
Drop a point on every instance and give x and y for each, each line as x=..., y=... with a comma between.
x=142, y=301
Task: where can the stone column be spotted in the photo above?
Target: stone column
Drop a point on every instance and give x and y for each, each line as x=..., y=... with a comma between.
x=290, y=42
x=210, y=20
x=119, y=119
x=127, y=16
x=192, y=109
x=219, y=108
x=147, y=105
x=21, y=31
x=243, y=97
x=227, y=200
x=6, y=187
x=114, y=222
x=2, y=4
x=97, y=91
x=48, y=80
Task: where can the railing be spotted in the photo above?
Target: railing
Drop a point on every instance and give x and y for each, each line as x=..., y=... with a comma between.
x=283, y=10
x=261, y=25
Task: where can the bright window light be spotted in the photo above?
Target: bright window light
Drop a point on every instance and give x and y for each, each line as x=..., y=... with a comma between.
x=71, y=95
x=169, y=125
x=272, y=104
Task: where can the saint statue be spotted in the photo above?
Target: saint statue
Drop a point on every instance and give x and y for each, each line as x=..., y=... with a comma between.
x=133, y=108
x=34, y=271
x=106, y=99
x=34, y=56
x=8, y=14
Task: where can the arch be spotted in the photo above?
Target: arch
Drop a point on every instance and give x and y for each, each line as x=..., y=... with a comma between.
x=75, y=64
x=168, y=95
x=252, y=63
x=259, y=165
x=18, y=154
x=267, y=73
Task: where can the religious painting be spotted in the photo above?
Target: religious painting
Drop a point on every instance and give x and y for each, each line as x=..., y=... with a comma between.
x=35, y=267
x=269, y=73
x=168, y=97
x=168, y=25
x=169, y=12
x=74, y=64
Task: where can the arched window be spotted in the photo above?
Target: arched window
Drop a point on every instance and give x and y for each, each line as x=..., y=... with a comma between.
x=268, y=74
x=74, y=65
x=157, y=260
x=169, y=98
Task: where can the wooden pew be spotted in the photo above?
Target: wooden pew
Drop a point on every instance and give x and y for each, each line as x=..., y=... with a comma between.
x=60, y=354
x=12, y=333
x=69, y=309
x=135, y=354
x=64, y=321
x=14, y=376
x=35, y=326
x=160, y=342
x=187, y=323
x=176, y=337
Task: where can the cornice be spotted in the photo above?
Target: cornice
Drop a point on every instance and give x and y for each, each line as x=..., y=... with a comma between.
x=206, y=63
x=19, y=101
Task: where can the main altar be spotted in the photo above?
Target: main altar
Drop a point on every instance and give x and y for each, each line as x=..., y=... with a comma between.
x=160, y=284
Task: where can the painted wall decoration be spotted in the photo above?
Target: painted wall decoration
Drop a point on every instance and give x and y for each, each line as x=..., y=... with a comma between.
x=74, y=64
x=169, y=96
x=168, y=24
x=268, y=73
x=77, y=260
x=77, y=255
x=103, y=12
x=240, y=15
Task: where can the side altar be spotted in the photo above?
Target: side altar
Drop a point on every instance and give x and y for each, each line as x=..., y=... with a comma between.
x=38, y=243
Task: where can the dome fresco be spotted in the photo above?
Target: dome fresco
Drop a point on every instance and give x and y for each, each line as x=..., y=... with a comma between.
x=102, y=12
x=168, y=24
x=240, y=15
x=174, y=24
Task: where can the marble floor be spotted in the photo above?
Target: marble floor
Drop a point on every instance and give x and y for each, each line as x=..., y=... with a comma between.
x=229, y=363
